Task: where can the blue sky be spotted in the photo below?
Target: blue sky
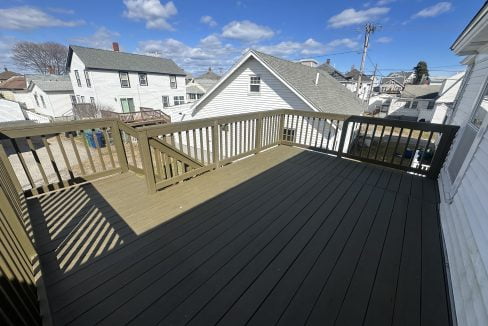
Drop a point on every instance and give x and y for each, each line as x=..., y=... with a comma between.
x=197, y=34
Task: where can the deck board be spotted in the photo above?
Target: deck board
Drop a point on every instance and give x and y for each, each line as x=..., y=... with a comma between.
x=287, y=236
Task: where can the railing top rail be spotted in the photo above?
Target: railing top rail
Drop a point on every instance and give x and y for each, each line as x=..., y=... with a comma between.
x=54, y=127
x=425, y=126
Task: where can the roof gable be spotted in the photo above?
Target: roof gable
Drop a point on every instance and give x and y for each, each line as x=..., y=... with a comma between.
x=114, y=60
x=327, y=96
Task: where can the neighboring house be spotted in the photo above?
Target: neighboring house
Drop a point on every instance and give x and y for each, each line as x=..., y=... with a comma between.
x=261, y=82
x=327, y=67
x=309, y=62
x=437, y=80
x=49, y=95
x=447, y=98
x=352, y=78
x=464, y=181
x=6, y=74
x=10, y=111
x=396, y=81
x=416, y=103
x=124, y=82
x=197, y=87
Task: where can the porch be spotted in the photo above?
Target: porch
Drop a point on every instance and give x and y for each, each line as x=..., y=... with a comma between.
x=289, y=236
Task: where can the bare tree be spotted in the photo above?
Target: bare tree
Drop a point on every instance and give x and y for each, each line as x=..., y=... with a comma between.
x=44, y=58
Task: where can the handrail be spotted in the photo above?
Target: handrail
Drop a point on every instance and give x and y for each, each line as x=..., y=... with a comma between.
x=77, y=151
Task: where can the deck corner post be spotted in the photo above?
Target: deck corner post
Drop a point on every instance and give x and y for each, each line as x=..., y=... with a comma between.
x=147, y=164
x=119, y=147
x=215, y=144
x=259, y=128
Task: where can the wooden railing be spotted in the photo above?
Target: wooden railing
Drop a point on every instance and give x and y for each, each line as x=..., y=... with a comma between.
x=145, y=114
x=417, y=147
x=53, y=156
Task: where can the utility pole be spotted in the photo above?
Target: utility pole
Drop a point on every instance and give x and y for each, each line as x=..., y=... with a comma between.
x=372, y=83
x=368, y=29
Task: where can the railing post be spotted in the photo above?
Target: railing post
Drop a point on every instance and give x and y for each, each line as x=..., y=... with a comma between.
x=216, y=144
x=147, y=164
x=442, y=150
x=119, y=147
x=345, y=127
x=259, y=128
x=281, y=128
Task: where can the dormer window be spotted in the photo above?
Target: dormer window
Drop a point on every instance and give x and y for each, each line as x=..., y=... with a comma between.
x=124, y=79
x=255, y=84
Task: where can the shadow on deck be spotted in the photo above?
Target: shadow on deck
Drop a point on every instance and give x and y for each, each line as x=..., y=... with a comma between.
x=285, y=237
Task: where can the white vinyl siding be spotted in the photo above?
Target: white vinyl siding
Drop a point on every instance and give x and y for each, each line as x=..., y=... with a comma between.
x=464, y=209
x=233, y=97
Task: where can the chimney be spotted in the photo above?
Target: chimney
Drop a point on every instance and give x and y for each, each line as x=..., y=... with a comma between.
x=115, y=46
x=328, y=61
x=209, y=69
x=317, y=79
x=5, y=68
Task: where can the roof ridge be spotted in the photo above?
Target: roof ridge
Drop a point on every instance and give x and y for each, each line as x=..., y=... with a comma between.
x=121, y=52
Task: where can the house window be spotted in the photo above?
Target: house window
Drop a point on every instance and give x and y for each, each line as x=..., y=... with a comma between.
x=480, y=112
x=37, y=100
x=407, y=104
x=87, y=79
x=82, y=99
x=255, y=84
x=165, y=101
x=127, y=105
x=142, y=79
x=78, y=80
x=199, y=96
x=192, y=96
x=179, y=100
x=414, y=104
x=92, y=100
x=73, y=99
x=172, y=81
x=289, y=134
x=43, y=103
x=124, y=79
x=78, y=99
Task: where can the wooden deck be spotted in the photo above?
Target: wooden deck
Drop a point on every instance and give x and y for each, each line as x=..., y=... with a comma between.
x=287, y=237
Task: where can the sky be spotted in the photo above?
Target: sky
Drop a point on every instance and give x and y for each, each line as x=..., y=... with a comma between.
x=199, y=34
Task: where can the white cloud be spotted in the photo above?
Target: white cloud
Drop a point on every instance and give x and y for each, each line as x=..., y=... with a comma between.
x=384, y=39
x=434, y=10
x=309, y=47
x=153, y=12
x=354, y=17
x=101, y=39
x=27, y=17
x=209, y=52
x=246, y=31
x=384, y=2
x=208, y=20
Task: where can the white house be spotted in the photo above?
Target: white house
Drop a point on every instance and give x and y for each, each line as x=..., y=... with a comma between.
x=351, y=84
x=261, y=82
x=197, y=87
x=416, y=102
x=464, y=180
x=48, y=95
x=447, y=98
x=124, y=82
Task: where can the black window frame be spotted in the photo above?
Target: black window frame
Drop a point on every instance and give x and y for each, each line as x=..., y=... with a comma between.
x=37, y=99
x=87, y=79
x=145, y=75
x=178, y=99
x=173, y=85
x=128, y=79
x=167, y=102
x=78, y=79
x=43, y=102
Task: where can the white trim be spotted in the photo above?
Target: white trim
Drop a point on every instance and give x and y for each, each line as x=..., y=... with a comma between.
x=240, y=63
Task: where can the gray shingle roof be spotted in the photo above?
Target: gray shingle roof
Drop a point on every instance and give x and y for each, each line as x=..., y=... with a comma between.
x=194, y=89
x=354, y=75
x=209, y=75
x=111, y=60
x=207, y=84
x=6, y=74
x=332, y=71
x=421, y=91
x=51, y=83
x=328, y=96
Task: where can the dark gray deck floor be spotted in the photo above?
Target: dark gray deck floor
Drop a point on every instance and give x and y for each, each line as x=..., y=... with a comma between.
x=287, y=237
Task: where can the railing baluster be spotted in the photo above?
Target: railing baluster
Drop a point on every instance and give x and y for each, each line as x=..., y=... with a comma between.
x=202, y=157
x=396, y=145
x=51, y=158
x=388, y=143
x=188, y=147
x=372, y=140
x=109, y=147
x=425, y=150
x=406, y=146
x=77, y=154
x=38, y=162
x=132, y=152
x=99, y=150
x=65, y=157
x=379, y=144
x=22, y=162
x=88, y=153
x=207, y=139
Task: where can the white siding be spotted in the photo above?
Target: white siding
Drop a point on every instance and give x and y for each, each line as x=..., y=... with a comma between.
x=106, y=89
x=464, y=218
x=233, y=97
